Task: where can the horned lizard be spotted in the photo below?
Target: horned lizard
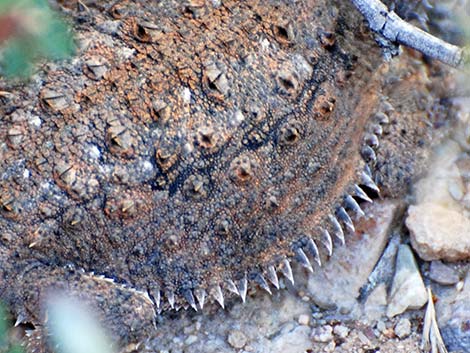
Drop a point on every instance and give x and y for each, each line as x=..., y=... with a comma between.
x=190, y=149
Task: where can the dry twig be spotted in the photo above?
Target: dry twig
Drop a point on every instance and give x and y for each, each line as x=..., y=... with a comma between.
x=390, y=26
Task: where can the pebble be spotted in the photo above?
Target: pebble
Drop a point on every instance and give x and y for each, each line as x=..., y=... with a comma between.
x=408, y=291
x=443, y=274
x=330, y=347
x=190, y=340
x=403, y=328
x=341, y=331
x=323, y=334
x=294, y=341
x=438, y=232
x=236, y=339
x=363, y=338
x=304, y=319
x=381, y=326
x=376, y=303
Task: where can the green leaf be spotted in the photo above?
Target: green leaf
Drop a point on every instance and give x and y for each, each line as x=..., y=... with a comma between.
x=3, y=328
x=17, y=59
x=51, y=40
x=16, y=348
x=56, y=42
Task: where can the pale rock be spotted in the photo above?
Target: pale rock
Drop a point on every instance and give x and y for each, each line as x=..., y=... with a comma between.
x=341, y=331
x=304, y=319
x=322, y=334
x=376, y=303
x=403, y=328
x=294, y=341
x=443, y=274
x=190, y=340
x=237, y=339
x=408, y=291
x=438, y=232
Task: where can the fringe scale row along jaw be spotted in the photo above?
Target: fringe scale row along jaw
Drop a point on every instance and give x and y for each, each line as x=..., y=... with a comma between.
x=308, y=254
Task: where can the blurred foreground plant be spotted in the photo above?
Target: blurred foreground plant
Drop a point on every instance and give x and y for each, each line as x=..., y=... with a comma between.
x=5, y=346
x=74, y=329
x=30, y=30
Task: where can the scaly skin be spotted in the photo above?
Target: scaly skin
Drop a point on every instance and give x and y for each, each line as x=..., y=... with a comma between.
x=187, y=146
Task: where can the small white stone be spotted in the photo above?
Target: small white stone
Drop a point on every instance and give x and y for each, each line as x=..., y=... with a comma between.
x=403, y=328
x=190, y=340
x=265, y=44
x=363, y=338
x=94, y=152
x=147, y=166
x=341, y=331
x=304, y=319
x=323, y=334
x=26, y=173
x=381, y=326
x=236, y=339
x=186, y=95
x=330, y=347
x=35, y=121
x=237, y=118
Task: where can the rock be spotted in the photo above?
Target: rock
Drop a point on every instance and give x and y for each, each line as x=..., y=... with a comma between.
x=323, y=334
x=453, y=315
x=381, y=326
x=403, y=328
x=343, y=276
x=236, y=339
x=341, y=331
x=190, y=340
x=443, y=274
x=304, y=319
x=408, y=291
x=376, y=303
x=438, y=232
x=294, y=341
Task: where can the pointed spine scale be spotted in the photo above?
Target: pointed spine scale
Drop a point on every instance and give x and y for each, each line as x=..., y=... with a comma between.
x=200, y=296
x=371, y=140
x=377, y=129
x=19, y=320
x=327, y=241
x=358, y=192
x=368, y=154
x=312, y=249
x=259, y=278
x=352, y=204
x=231, y=287
x=367, y=181
x=188, y=295
x=303, y=259
x=216, y=292
x=337, y=229
x=155, y=293
x=286, y=270
x=343, y=216
x=272, y=276
x=170, y=295
x=242, y=288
